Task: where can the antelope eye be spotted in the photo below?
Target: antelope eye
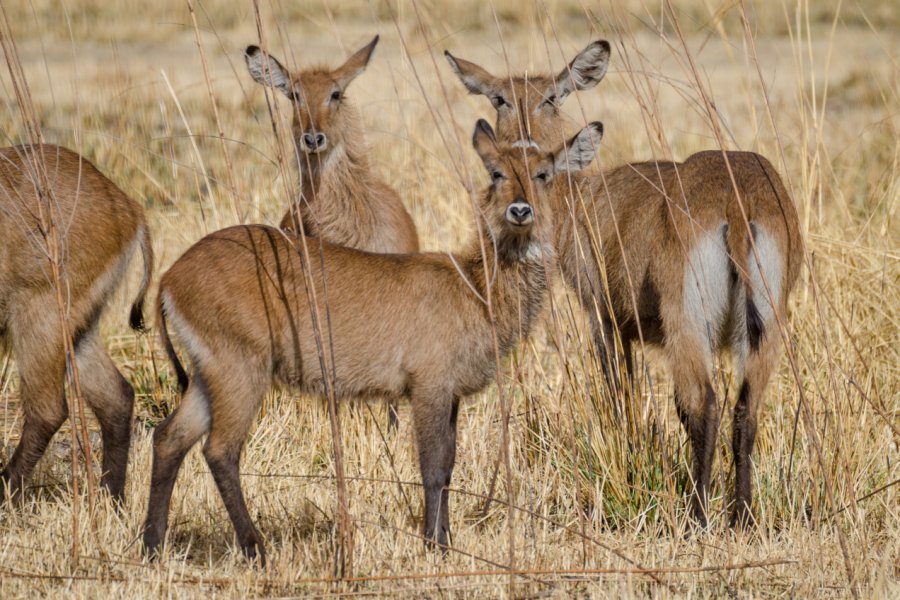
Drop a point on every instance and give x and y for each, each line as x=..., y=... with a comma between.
x=295, y=96
x=336, y=95
x=542, y=177
x=498, y=101
x=497, y=176
x=550, y=101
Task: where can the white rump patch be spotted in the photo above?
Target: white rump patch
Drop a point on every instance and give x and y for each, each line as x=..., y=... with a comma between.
x=193, y=412
x=184, y=332
x=104, y=285
x=766, y=267
x=707, y=287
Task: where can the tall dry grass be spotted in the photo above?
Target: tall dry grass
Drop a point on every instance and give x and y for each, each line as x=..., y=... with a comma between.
x=596, y=490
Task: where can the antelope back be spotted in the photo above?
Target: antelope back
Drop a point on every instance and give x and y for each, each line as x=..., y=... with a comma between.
x=99, y=228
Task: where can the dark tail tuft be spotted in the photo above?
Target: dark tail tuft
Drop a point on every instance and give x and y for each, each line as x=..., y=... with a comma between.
x=737, y=241
x=136, y=318
x=180, y=373
x=755, y=325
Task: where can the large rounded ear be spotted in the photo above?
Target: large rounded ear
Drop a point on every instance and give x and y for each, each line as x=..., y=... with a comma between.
x=585, y=71
x=476, y=79
x=485, y=143
x=266, y=70
x=580, y=150
x=356, y=64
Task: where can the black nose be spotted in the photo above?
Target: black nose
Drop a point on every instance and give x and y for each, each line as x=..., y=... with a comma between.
x=519, y=213
x=314, y=142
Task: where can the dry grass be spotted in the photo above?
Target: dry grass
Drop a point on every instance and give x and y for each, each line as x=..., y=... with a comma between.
x=595, y=494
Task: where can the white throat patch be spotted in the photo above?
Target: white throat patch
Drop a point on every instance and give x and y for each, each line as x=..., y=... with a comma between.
x=537, y=251
x=336, y=154
x=525, y=144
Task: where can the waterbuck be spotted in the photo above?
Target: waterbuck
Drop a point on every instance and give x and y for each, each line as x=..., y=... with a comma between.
x=695, y=256
x=414, y=326
x=528, y=105
x=341, y=200
x=99, y=229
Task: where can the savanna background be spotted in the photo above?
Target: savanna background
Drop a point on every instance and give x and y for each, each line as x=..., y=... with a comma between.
x=157, y=95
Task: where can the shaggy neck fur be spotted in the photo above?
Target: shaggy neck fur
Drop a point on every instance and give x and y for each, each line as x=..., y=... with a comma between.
x=333, y=188
x=517, y=280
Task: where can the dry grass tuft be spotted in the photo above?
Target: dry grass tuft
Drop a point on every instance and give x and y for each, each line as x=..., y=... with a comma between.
x=598, y=492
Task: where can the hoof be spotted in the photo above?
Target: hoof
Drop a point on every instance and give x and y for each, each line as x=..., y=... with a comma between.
x=742, y=520
x=152, y=543
x=151, y=550
x=116, y=491
x=9, y=493
x=439, y=543
x=255, y=552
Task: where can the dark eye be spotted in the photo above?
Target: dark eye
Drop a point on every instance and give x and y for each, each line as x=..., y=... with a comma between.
x=295, y=96
x=497, y=176
x=550, y=101
x=336, y=96
x=498, y=101
x=543, y=176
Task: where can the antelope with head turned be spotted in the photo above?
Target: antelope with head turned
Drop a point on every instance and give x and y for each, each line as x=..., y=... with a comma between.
x=695, y=256
x=100, y=229
x=413, y=325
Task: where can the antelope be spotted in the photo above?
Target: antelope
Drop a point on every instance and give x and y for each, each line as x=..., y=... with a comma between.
x=341, y=199
x=527, y=105
x=697, y=257
x=412, y=325
x=100, y=229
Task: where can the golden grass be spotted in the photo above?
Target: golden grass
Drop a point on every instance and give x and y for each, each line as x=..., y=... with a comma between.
x=589, y=488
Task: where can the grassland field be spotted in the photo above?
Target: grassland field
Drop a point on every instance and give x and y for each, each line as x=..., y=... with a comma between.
x=597, y=500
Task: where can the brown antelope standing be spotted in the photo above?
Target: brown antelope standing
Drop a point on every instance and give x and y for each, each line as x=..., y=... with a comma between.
x=100, y=228
x=341, y=200
x=676, y=254
x=412, y=325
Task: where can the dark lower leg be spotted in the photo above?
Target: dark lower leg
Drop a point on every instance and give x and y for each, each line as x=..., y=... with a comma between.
x=171, y=442
x=743, y=438
x=702, y=427
x=111, y=398
x=36, y=434
x=435, y=534
x=392, y=415
x=115, y=428
x=704, y=442
x=629, y=363
x=169, y=450
x=223, y=461
x=437, y=457
x=603, y=341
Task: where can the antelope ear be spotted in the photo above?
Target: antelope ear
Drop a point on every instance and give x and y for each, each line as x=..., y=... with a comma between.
x=580, y=150
x=356, y=64
x=476, y=79
x=266, y=70
x=485, y=143
x=585, y=71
